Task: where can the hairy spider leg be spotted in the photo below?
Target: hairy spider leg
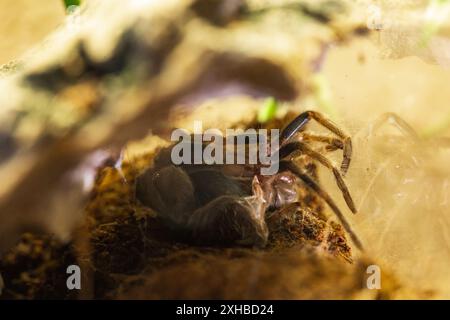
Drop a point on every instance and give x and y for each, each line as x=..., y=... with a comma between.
x=293, y=150
x=331, y=144
x=299, y=123
x=290, y=166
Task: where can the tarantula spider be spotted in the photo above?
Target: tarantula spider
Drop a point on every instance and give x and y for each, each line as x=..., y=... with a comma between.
x=229, y=204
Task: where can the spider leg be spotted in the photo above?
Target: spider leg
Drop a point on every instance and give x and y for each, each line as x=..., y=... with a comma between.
x=154, y=188
x=298, y=123
x=292, y=150
x=227, y=220
x=325, y=196
x=331, y=144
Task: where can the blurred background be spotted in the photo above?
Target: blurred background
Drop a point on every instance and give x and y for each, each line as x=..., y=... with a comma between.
x=401, y=186
x=389, y=72
x=24, y=23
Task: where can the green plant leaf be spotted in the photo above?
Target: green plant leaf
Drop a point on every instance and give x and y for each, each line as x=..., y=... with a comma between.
x=68, y=3
x=268, y=110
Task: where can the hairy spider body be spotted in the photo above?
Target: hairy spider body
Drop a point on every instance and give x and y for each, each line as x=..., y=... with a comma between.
x=228, y=204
